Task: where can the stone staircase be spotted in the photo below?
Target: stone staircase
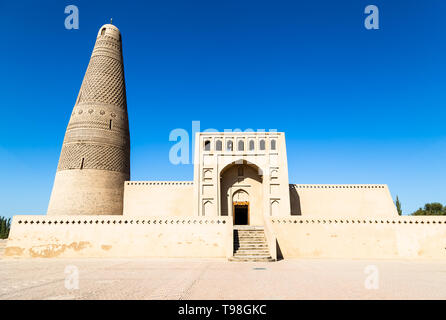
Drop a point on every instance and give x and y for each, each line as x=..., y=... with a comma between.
x=250, y=245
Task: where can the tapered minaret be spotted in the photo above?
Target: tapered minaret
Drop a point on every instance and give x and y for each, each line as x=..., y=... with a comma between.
x=95, y=158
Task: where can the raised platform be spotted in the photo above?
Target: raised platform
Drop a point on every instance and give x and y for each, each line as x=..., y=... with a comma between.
x=119, y=236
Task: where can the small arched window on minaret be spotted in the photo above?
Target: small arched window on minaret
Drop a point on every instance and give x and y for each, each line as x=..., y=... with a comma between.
x=102, y=31
x=110, y=124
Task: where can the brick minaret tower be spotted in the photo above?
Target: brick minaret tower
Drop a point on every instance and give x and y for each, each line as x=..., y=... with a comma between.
x=95, y=158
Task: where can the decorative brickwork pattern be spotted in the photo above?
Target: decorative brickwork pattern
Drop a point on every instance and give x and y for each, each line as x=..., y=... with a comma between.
x=94, y=161
x=104, y=82
x=91, y=156
x=97, y=135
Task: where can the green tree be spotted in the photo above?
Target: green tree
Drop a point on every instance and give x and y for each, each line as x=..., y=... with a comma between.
x=2, y=228
x=431, y=209
x=398, y=206
x=5, y=226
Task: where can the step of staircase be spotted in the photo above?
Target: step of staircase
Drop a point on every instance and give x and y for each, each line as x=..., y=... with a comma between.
x=248, y=228
x=253, y=249
x=250, y=245
x=251, y=259
x=249, y=234
x=259, y=238
x=247, y=253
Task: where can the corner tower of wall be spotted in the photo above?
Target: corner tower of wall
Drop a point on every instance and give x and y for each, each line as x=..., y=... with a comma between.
x=95, y=159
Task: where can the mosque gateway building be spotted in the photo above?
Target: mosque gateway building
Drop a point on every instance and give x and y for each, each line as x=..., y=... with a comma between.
x=240, y=205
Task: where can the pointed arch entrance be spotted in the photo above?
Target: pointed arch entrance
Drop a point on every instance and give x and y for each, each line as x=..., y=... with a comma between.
x=240, y=207
x=241, y=193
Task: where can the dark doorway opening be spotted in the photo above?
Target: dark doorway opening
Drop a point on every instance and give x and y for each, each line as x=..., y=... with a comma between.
x=240, y=214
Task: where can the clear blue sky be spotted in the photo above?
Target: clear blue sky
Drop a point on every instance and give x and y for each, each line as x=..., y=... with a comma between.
x=357, y=105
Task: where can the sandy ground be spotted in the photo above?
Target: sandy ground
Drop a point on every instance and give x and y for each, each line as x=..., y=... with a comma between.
x=220, y=279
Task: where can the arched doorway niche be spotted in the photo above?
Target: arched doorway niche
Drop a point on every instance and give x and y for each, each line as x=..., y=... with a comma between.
x=241, y=192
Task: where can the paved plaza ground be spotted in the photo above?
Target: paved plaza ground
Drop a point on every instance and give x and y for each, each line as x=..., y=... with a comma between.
x=220, y=279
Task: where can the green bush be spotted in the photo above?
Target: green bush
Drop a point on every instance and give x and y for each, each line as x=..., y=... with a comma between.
x=431, y=209
x=5, y=226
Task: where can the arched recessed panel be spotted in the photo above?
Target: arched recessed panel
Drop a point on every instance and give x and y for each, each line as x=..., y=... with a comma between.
x=218, y=145
x=262, y=144
x=207, y=174
x=273, y=144
x=241, y=193
x=229, y=145
x=241, y=145
x=251, y=145
x=207, y=145
x=274, y=173
x=207, y=208
x=275, y=208
x=240, y=196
